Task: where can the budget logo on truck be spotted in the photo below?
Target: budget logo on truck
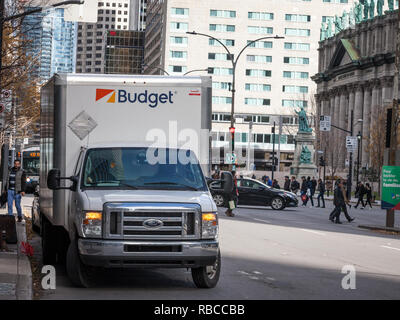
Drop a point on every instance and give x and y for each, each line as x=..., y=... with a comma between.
x=146, y=97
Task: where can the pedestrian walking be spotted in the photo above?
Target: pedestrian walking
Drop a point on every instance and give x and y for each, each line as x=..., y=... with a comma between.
x=310, y=191
x=360, y=192
x=253, y=176
x=303, y=191
x=321, y=190
x=340, y=201
x=368, y=191
x=233, y=197
x=16, y=183
x=264, y=179
x=294, y=185
x=286, y=186
x=269, y=182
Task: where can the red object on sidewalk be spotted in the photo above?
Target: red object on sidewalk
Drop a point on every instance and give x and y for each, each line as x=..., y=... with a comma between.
x=27, y=249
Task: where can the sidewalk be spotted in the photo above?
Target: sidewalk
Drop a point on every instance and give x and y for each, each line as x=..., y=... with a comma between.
x=15, y=268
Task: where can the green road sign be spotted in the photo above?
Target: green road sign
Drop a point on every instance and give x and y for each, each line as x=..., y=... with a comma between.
x=390, y=187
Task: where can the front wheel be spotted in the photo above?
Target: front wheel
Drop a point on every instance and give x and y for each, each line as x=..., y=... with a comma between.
x=208, y=276
x=277, y=203
x=79, y=274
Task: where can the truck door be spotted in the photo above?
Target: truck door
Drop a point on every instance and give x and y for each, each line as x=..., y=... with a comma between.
x=74, y=194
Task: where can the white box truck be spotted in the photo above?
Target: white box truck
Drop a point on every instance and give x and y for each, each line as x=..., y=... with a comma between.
x=122, y=170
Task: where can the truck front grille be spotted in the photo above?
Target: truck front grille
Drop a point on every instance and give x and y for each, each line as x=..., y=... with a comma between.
x=152, y=221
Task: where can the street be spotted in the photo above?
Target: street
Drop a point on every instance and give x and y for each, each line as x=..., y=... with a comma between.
x=296, y=253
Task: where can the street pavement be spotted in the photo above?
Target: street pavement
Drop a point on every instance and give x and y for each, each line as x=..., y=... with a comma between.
x=296, y=253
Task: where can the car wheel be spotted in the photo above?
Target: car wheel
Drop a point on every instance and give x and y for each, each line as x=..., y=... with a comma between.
x=219, y=200
x=277, y=203
x=207, y=277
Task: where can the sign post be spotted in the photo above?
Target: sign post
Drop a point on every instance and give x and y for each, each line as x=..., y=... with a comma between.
x=325, y=123
x=390, y=188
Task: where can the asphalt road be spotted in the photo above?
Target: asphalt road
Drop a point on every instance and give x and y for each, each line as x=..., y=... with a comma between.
x=296, y=253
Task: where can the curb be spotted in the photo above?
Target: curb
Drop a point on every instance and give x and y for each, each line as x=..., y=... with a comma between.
x=379, y=228
x=23, y=288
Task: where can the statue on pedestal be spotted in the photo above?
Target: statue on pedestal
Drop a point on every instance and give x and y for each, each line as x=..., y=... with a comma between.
x=329, y=32
x=391, y=5
x=338, y=24
x=379, y=6
x=366, y=9
x=345, y=20
x=371, y=9
x=322, y=32
x=305, y=156
x=358, y=12
x=351, y=18
x=303, y=122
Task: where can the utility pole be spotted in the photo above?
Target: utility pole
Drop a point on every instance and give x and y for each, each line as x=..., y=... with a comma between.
x=393, y=129
x=273, y=152
x=350, y=177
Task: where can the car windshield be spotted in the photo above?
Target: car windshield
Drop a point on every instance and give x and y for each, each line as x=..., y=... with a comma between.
x=31, y=166
x=142, y=168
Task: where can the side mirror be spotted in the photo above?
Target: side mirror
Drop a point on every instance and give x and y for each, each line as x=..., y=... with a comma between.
x=53, y=179
x=227, y=181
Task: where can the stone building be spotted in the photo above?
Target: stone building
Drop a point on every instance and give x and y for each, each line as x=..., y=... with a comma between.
x=355, y=74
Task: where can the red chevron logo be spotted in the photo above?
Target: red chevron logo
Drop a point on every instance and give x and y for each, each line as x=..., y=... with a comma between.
x=101, y=93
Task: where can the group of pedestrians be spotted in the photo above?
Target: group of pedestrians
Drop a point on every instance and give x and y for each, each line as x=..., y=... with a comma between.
x=361, y=191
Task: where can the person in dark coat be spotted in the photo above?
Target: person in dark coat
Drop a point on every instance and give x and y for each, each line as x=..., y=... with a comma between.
x=286, y=186
x=275, y=184
x=310, y=190
x=15, y=186
x=368, y=191
x=233, y=196
x=294, y=185
x=360, y=192
x=321, y=189
x=304, y=190
x=340, y=201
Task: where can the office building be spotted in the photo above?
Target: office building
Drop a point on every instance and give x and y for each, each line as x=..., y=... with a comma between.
x=272, y=75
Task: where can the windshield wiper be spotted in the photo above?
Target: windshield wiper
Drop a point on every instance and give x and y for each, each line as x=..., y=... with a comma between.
x=173, y=183
x=128, y=185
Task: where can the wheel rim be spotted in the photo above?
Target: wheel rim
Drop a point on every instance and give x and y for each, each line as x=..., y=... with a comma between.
x=277, y=203
x=212, y=270
x=219, y=200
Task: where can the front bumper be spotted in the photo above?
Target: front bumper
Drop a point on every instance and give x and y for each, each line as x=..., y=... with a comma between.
x=172, y=254
x=290, y=202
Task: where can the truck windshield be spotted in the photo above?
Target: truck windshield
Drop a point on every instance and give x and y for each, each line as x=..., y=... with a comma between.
x=142, y=168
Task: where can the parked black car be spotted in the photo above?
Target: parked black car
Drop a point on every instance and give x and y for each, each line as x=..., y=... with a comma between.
x=256, y=193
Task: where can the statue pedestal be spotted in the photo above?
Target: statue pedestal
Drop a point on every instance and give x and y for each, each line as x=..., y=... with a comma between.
x=298, y=168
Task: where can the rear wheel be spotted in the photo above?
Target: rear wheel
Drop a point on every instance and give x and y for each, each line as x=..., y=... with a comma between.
x=208, y=276
x=219, y=200
x=79, y=274
x=277, y=203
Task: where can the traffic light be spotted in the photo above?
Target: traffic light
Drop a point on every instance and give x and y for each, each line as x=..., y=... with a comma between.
x=232, y=130
x=321, y=161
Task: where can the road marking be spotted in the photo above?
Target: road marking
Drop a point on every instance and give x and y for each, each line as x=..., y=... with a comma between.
x=387, y=247
x=312, y=231
x=257, y=272
x=262, y=220
x=243, y=272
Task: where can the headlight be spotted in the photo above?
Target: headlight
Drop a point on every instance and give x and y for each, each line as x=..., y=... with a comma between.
x=91, y=223
x=28, y=179
x=209, y=225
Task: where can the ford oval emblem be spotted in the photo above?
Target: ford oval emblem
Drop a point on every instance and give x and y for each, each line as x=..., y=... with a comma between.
x=153, y=223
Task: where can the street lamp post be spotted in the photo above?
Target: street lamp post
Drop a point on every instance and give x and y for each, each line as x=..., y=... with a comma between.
x=208, y=70
x=358, y=153
x=234, y=64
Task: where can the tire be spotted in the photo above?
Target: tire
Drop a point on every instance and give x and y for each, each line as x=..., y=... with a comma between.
x=277, y=203
x=208, y=276
x=219, y=200
x=79, y=274
x=49, y=249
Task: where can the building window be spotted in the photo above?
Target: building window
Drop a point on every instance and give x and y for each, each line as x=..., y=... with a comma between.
x=294, y=103
x=295, y=89
x=221, y=85
x=181, y=41
x=223, y=13
x=259, y=59
x=218, y=56
x=221, y=100
x=179, y=11
x=179, y=26
x=261, y=16
x=295, y=75
x=221, y=71
x=257, y=87
x=177, y=69
x=260, y=44
x=178, y=54
x=297, y=17
x=260, y=30
x=297, y=32
x=258, y=73
x=257, y=102
x=222, y=27
x=296, y=60
x=297, y=46
x=226, y=42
